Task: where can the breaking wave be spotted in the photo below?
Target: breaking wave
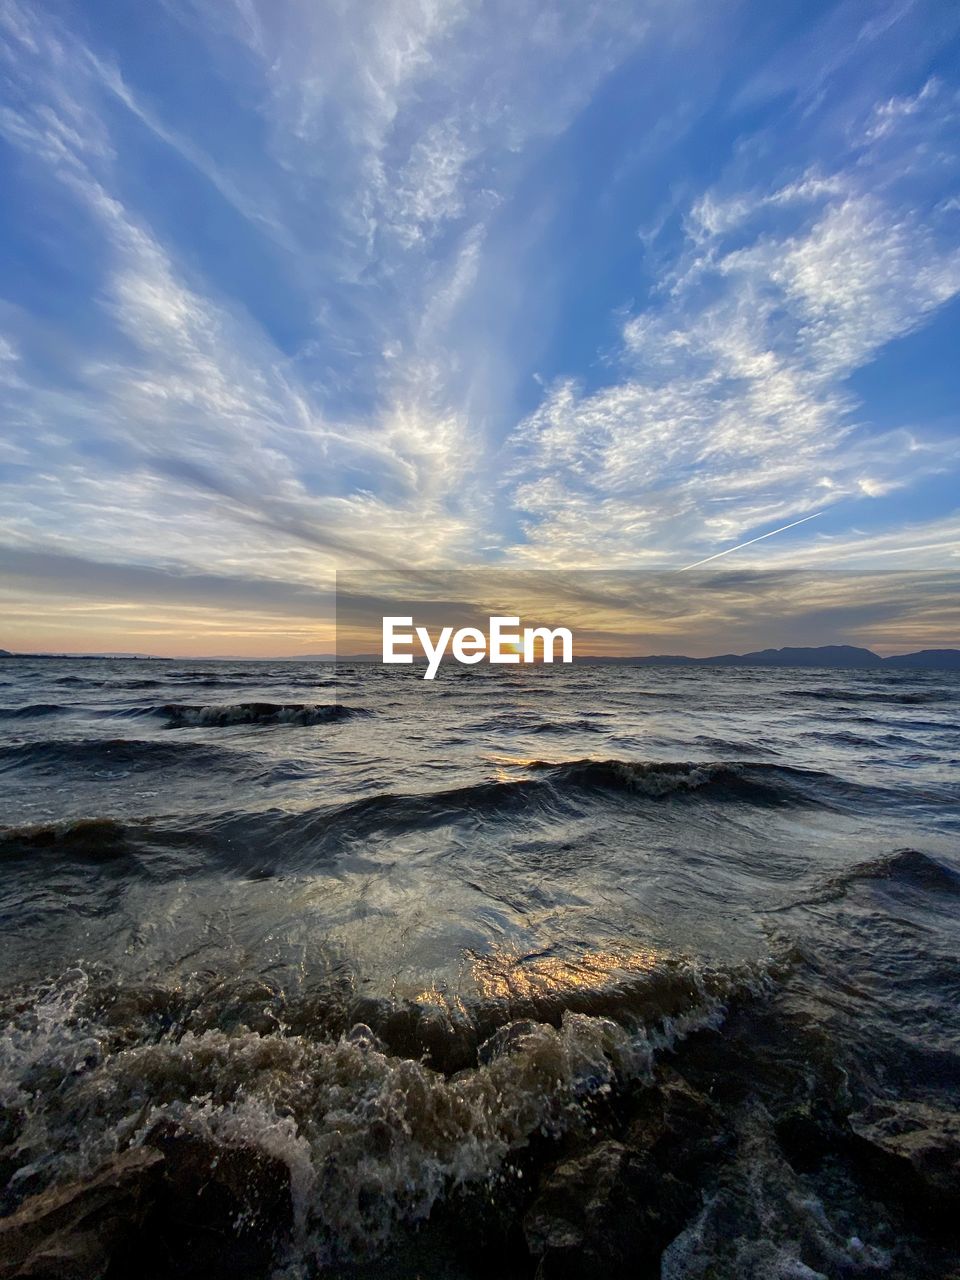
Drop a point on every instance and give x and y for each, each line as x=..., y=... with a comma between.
x=181, y=715
x=370, y=1134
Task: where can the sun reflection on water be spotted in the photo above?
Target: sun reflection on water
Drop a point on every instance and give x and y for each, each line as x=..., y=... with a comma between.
x=499, y=975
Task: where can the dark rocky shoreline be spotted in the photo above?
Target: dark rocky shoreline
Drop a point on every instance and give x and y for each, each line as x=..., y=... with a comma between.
x=753, y=1146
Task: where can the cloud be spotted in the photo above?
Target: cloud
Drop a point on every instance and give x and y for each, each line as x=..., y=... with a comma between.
x=889, y=116
x=291, y=322
x=699, y=612
x=733, y=411
x=198, y=402
x=59, y=574
x=862, y=275
x=430, y=189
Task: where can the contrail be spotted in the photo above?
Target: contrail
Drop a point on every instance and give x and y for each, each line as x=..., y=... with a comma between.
x=750, y=541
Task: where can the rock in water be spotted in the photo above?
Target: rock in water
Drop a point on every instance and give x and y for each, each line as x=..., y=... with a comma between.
x=609, y=1212
x=220, y=1211
x=180, y=1205
x=72, y=1232
x=677, y=1127
x=913, y=1149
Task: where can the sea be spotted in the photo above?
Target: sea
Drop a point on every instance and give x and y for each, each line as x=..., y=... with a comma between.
x=427, y=948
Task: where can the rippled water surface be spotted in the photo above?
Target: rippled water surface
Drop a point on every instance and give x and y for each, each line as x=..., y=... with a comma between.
x=297, y=906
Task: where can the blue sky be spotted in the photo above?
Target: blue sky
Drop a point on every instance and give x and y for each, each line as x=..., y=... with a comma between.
x=293, y=287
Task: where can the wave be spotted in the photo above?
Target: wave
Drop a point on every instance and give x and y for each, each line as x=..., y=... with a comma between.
x=265, y=842
x=756, y=782
x=738, y=748
x=572, y=726
x=371, y=1135
x=34, y=711
x=201, y=677
x=551, y=788
x=253, y=842
x=552, y=783
x=897, y=698
x=92, y=754
x=402, y=1019
x=512, y=993
x=844, y=738
x=181, y=715
x=180, y=846
x=118, y=682
x=909, y=868
x=213, y=682
x=87, y=840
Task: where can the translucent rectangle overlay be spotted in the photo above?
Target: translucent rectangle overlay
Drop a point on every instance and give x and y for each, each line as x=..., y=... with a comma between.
x=626, y=615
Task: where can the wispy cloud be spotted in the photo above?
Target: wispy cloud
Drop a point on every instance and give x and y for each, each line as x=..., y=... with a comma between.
x=283, y=312
x=734, y=408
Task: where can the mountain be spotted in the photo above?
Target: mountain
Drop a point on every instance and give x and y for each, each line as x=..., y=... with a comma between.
x=139, y=657
x=844, y=656
x=927, y=660
x=825, y=655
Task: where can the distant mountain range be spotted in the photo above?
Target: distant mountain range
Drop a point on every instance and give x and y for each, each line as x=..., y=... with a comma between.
x=845, y=656
x=827, y=655
x=140, y=657
x=184, y=657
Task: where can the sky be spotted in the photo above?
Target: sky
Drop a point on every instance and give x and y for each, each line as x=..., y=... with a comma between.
x=289, y=288
x=627, y=612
